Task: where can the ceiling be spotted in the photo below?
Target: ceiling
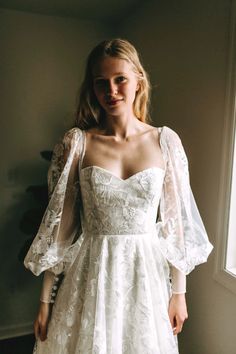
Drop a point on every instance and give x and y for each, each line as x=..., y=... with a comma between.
x=100, y=10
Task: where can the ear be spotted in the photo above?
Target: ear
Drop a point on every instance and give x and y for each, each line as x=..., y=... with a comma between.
x=138, y=86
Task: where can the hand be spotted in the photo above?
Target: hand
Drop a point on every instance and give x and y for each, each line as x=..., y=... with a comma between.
x=177, y=312
x=41, y=322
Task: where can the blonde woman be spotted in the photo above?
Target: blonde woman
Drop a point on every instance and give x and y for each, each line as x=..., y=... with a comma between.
x=121, y=230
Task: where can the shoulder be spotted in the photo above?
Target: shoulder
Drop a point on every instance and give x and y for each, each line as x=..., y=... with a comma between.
x=169, y=136
x=71, y=137
x=172, y=146
x=72, y=133
x=67, y=142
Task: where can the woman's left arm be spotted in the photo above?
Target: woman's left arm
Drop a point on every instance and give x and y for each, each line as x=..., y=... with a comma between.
x=177, y=305
x=177, y=312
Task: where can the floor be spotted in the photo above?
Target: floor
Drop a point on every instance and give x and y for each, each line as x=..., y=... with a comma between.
x=19, y=345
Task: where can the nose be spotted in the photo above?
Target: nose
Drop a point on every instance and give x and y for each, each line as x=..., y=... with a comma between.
x=111, y=88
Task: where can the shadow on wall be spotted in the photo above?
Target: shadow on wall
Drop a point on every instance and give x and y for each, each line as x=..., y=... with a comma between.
x=20, y=225
x=32, y=217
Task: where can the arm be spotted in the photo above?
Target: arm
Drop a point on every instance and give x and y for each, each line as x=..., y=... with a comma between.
x=47, y=296
x=177, y=304
x=60, y=225
x=183, y=238
x=55, y=223
x=50, y=280
x=49, y=287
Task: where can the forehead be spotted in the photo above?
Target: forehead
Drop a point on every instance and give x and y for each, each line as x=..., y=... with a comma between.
x=110, y=66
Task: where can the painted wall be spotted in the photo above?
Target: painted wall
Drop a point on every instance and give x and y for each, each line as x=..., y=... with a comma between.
x=184, y=45
x=41, y=65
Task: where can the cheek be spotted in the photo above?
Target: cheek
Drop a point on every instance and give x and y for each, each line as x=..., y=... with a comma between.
x=98, y=93
x=132, y=91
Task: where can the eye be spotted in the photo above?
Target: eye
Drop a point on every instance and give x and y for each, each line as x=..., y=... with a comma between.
x=99, y=82
x=120, y=79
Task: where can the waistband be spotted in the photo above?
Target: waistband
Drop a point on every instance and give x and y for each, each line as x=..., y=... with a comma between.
x=152, y=233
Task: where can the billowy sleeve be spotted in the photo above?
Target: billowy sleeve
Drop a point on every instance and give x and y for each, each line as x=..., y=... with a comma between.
x=183, y=238
x=55, y=243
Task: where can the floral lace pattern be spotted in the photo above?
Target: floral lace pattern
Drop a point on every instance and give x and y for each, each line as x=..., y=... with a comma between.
x=60, y=226
x=114, y=239
x=183, y=238
x=115, y=206
x=118, y=286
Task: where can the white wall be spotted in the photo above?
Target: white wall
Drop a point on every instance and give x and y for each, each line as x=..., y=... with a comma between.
x=41, y=63
x=184, y=45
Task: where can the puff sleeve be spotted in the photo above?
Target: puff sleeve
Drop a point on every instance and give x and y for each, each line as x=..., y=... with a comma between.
x=56, y=240
x=183, y=238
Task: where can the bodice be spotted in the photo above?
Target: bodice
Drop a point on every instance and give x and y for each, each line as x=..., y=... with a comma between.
x=112, y=205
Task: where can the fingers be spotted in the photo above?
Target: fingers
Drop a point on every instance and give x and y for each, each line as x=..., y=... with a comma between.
x=177, y=313
x=36, y=329
x=40, y=331
x=43, y=332
x=179, y=324
x=176, y=322
x=172, y=320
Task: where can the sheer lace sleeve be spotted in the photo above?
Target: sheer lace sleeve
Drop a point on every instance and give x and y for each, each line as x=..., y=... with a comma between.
x=49, y=287
x=178, y=281
x=53, y=246
x=183, y=238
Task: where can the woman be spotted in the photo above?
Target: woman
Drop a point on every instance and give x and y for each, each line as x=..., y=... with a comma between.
x=121, y=225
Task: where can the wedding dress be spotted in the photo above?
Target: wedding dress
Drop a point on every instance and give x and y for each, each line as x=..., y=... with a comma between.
x=115, y=240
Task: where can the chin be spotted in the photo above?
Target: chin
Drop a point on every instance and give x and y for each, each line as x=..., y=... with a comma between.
x=115, y=111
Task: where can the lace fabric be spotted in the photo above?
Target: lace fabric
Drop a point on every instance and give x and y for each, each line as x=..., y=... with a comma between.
x=183, y=238
x=116, y=250
x=58, y=235
x=184, y=241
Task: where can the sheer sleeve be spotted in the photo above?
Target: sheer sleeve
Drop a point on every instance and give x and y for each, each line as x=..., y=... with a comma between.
x=54, y=245
x=183, y=238
x=178, y=281
x=49, y=287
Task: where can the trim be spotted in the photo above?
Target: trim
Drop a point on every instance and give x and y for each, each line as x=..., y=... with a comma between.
x=16, y=330
x=221, y=275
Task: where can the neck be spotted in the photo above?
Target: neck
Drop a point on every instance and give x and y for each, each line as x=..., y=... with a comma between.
x=121, y=126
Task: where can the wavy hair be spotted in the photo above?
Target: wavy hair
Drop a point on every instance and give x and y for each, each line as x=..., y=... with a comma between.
x=89, y=113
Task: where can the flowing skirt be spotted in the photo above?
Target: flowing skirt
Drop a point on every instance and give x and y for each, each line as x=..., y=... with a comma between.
x=113, y=300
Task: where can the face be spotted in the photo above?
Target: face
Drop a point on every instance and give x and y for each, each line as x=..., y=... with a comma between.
x=115, y=85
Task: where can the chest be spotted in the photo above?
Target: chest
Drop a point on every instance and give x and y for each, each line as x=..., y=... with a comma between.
x=124, y=159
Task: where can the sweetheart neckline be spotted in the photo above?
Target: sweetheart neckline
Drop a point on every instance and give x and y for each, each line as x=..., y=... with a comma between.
x=121, y=179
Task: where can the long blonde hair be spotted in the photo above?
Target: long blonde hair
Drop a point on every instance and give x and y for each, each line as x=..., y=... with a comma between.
x=89, y=112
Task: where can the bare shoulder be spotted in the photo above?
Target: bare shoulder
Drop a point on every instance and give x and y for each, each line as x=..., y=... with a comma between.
x=93, y=130
x=95, y=133
x=151, y=132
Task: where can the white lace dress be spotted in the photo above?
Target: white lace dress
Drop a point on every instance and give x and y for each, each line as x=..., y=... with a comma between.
x=115, y=293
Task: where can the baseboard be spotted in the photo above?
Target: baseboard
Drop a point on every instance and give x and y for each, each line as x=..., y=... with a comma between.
x=16, y=330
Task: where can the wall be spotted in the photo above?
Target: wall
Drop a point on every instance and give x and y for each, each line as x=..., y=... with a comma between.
x=42, y=60
x=184, y=45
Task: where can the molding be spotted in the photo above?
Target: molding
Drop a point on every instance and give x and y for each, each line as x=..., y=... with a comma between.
x=221, y=275
x=16, y=330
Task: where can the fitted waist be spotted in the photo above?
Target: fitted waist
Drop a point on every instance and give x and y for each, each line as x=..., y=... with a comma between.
x=152, y=233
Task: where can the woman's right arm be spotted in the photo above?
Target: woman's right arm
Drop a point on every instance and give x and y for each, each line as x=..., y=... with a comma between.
x=47, y=296
x=51, y=249
x=42, y=320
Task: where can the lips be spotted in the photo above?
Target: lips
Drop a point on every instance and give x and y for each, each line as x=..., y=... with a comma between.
x=113, y=102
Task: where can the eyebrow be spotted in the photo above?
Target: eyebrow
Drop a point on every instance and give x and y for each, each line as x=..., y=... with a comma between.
x=101, y=77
